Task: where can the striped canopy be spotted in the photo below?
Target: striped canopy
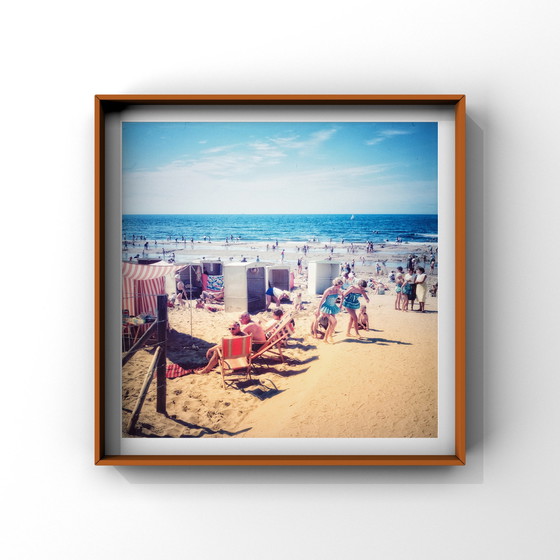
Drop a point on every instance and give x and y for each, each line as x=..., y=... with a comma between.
x=141, y=285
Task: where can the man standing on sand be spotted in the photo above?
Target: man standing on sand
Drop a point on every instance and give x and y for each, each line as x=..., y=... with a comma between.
x=248, y=326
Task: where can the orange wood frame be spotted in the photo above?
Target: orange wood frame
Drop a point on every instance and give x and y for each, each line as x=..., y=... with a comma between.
x=111, y=103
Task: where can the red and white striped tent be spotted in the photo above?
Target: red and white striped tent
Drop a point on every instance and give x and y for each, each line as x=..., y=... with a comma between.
x=142, y=283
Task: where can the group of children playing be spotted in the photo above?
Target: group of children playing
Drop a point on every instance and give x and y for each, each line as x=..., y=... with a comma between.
x=344, y=294
x=335, y=299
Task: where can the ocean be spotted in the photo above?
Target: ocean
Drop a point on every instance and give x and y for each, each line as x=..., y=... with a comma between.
x=298, y=228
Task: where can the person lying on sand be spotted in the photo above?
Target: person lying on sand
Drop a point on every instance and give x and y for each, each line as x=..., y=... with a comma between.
x=212, y=297
x=201, y=305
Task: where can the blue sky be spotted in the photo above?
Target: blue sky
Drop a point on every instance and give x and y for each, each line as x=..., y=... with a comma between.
x=279, y=168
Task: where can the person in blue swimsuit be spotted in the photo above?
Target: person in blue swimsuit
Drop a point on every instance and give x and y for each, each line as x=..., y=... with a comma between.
x=328, y=308
x=351, y=300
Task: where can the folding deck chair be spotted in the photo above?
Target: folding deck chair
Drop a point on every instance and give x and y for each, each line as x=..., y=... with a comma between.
x=276, y=340
x=235, y=355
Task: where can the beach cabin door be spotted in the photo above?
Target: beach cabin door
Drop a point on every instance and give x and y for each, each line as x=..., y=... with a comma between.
x=256, y=288
x=279, y=277
x=321, y=275
x=244, y=287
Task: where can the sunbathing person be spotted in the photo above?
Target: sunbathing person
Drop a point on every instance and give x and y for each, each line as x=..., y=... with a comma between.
x=213, y=354
x=271, y=325
x=201, y=305
x=250, y=327
x=212, y=297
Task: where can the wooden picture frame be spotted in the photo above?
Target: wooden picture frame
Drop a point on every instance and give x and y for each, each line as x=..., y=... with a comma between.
x=110, y=106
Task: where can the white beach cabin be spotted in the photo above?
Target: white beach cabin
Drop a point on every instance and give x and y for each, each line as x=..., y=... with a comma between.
x=321, y=275
x=244, y=287
x=280, y=276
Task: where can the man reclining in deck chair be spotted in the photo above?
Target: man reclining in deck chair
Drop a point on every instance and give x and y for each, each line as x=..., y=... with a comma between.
x=277, y=318
x=277, y=338
x=248, y=326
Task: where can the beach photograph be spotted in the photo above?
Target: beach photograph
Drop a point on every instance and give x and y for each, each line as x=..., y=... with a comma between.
x=282, y=278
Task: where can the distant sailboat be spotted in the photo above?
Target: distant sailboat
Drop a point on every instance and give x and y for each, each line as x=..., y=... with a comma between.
x=352, y=217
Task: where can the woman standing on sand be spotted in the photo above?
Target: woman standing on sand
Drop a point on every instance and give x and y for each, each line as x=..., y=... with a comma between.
x=421, y=288
x=411, y=282
x=329, y=309
x=350, y=300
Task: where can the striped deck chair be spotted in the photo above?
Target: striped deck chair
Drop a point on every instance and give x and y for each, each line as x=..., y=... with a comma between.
x=276, y=340
x=235, y=355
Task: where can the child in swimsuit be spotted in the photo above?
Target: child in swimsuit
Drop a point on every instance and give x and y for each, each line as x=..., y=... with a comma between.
x=363, y=319
x=351, y=302
x=329, y=308
x=398, y=290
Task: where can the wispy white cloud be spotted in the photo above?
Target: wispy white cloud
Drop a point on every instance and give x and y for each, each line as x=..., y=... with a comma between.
x=266, y=150
x=217, y=149
x=304, y=144
x=386, y=134
x=395, y=132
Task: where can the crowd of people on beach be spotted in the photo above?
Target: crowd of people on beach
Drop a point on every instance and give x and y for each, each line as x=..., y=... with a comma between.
x=346, y=290
x=410, y=287
x=347, y=294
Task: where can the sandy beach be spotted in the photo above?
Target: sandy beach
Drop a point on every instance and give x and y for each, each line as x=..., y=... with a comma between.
x=382, y=386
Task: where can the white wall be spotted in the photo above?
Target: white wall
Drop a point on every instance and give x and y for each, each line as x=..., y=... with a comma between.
x=503, y=56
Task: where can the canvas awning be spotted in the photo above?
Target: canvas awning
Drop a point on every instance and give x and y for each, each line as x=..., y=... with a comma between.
x=142, y=283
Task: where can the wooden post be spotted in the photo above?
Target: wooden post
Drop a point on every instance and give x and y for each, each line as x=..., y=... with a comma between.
x=143, y=392
x=161, y=389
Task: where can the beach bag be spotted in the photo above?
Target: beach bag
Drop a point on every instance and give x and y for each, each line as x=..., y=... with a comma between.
x=381, y=291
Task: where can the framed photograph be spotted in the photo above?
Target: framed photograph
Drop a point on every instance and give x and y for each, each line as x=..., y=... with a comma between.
x=280, y=280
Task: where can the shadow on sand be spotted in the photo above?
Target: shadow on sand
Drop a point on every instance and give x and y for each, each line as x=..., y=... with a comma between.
x=202, y=430
x=185, y=350
x=379, y=341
